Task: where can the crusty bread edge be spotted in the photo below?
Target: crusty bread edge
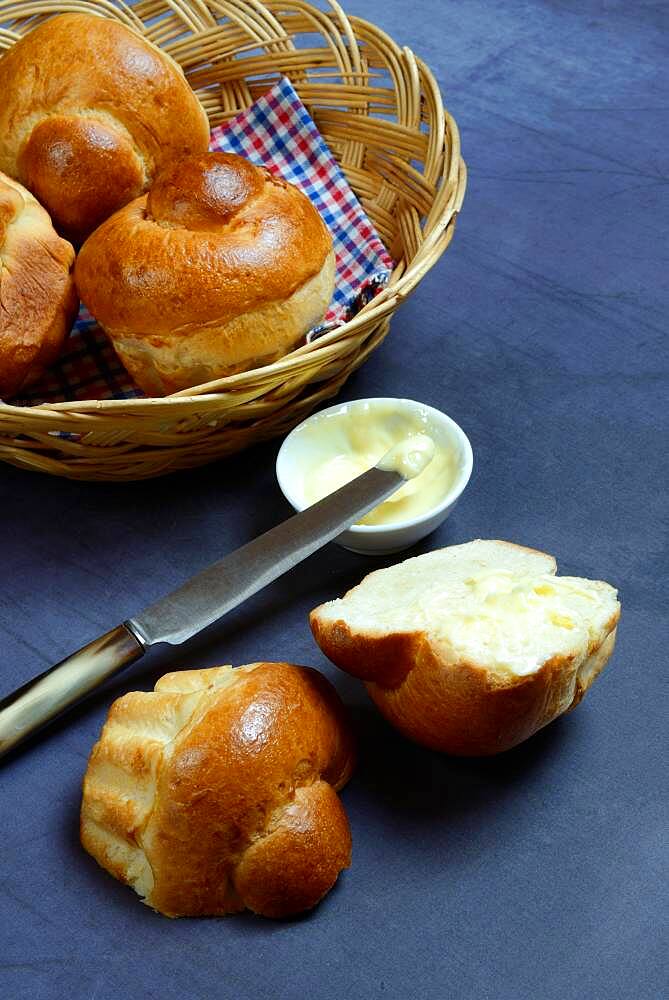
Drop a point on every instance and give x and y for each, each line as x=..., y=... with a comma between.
x=459, y=707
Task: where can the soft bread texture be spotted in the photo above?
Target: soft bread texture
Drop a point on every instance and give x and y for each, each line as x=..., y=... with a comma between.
x=38, y=300
x=471, y=649
x=89, y=113
x=217, y=791
x=221, y=268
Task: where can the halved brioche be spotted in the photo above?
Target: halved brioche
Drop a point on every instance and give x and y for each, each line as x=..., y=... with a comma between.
x=473, y=648
x=217, y=791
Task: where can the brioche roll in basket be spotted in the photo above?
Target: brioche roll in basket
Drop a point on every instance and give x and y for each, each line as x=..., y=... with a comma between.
x=397, y=146
x=89, y=112
x=222, y=267
x=38, y=301
x=217, y=791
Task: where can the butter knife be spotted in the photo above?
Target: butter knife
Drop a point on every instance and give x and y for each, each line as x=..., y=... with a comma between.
x=193, y=606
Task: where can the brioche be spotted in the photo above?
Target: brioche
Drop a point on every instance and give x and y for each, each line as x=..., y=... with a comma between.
x=471, y=649
x=217, y=791
x=89, y=113
x=38, y=301
x=221, y=268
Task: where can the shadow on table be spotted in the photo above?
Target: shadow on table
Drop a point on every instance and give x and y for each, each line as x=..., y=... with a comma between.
x=401, y=778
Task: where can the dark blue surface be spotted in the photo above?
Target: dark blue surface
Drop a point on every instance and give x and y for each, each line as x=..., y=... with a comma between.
x=543, y=332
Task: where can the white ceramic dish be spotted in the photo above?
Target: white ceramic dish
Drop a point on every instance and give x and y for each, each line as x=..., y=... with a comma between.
x=379, y=538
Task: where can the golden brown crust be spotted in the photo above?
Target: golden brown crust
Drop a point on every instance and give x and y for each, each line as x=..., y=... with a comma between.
x=311, y=836
x=38, y=300
x=100, y=172
x=457, y=707
x=200, y=193
x=239, y=808
x=452, y=705
x=386, y=659
x=462, y=709
x=208, y=274
x=108, y=109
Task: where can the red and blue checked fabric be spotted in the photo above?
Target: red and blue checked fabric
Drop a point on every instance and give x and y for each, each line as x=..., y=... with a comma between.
x=278, y=133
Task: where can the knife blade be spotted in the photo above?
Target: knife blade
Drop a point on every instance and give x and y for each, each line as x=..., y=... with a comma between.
x=192, y=607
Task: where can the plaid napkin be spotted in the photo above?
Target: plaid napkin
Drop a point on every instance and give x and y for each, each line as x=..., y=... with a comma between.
x=277, y=132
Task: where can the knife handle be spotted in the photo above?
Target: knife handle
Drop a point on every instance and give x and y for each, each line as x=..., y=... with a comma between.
x=43, y=698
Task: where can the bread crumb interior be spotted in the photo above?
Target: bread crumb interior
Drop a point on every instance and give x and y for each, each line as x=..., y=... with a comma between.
x=508, y=619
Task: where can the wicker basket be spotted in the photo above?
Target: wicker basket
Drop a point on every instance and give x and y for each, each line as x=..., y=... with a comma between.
x=379, y=109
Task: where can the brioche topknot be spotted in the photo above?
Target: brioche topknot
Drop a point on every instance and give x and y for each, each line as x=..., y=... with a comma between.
x=90, y=112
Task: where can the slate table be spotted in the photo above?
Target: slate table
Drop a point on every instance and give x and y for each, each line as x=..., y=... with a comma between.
x=543, y=332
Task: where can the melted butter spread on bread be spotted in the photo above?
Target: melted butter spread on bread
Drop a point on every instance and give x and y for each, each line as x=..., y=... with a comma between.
x=516, y=620
x=509, y=618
